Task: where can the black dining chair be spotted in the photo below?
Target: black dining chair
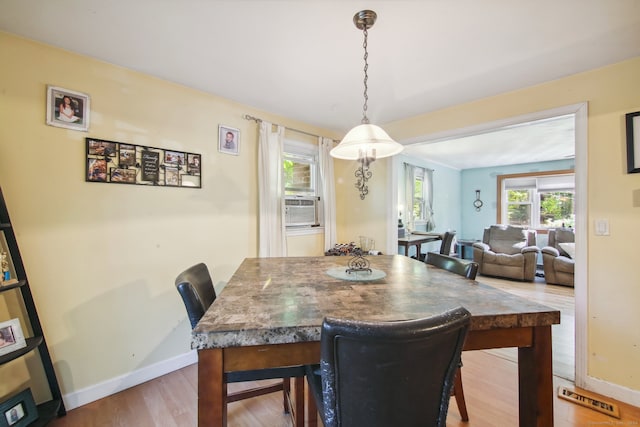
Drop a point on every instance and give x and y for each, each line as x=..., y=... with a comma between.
x=445, y=245
x=447, y=242
x=196, y=289
x=463, y=267
x=468, y=269
x=386, y=373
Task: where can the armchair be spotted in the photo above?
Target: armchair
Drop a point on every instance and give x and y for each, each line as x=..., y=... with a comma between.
x=507, y=251
x=557, y=263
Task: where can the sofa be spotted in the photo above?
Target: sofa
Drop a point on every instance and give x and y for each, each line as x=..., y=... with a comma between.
x=507, y=251
x=557, y=257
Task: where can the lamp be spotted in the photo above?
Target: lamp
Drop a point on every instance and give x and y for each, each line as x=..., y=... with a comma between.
x=365, y=142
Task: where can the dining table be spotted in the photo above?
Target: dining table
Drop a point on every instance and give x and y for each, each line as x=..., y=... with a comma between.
x=270, y=314
x=417, y=239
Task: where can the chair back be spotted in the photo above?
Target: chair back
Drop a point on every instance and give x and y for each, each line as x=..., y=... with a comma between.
x=463, y=267
x=196, y=289
x=561, y=235
x=447, y=242
x=508, y=239
x=390, y=373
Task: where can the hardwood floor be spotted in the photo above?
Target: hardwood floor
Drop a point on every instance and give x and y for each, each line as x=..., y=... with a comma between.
x=489, y=377
x=555, y=296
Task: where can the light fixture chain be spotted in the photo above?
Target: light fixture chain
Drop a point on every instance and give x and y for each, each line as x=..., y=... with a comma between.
x=365, y=119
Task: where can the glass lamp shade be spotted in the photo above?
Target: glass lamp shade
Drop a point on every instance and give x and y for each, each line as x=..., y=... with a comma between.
x=366, y=138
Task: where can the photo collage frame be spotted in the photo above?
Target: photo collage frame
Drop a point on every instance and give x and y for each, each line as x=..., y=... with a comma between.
x=121, y=163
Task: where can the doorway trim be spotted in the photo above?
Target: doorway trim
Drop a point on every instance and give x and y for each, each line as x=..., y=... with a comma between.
x=580, y=112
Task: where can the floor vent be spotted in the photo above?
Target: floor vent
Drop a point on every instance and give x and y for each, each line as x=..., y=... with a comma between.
x=589, y=401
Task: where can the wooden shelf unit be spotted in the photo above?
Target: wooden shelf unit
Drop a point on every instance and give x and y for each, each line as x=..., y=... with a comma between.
x=55, y=407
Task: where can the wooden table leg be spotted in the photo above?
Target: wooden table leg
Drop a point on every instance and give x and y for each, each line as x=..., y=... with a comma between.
x=312, y=410
x=535, y=377
x=212, y=390
x=299, y=402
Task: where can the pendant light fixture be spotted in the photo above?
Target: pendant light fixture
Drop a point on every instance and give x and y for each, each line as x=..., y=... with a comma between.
x=365, y=142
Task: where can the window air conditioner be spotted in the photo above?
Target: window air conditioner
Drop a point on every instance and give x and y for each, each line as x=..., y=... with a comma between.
x=300, y=211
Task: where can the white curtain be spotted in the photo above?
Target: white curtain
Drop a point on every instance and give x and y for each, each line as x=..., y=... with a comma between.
x=428, y=199
x=407, y=214
x=272, y=237
x=328, y=192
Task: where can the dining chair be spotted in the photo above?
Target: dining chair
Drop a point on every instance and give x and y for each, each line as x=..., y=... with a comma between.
x=386, y=373
x=445, y=245
x=196, y=289
x=468, y=269
x=447, y=242
x=463, y=267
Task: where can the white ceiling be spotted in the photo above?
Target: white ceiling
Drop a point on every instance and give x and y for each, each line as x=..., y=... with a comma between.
x=530, y=142
x=302, y=59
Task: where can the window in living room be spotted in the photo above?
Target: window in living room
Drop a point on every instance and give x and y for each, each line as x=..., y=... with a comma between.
x=537, y=200
x=418, y=198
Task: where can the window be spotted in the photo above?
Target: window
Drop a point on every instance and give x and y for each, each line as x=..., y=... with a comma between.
x=544, y=200
x=418, y=195
x=301, y=179
x=299, y=174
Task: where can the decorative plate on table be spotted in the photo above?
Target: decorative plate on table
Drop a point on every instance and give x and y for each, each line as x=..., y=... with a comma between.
x=356, y=276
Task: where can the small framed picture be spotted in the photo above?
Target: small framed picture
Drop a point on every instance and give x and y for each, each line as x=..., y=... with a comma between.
x=171, y=177
x=633, y=142
x=19, y=410
x=98, y=147
x=67, y=109
x=174, y=158
x=96, y=170
x=190, y=181
x=228, y=140
x=193, y=166
x=127, y=155
x=11, y=336
x=123, y=175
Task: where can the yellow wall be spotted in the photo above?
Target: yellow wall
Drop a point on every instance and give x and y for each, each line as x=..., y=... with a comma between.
x=358, y=217
x=613, y=293
x=101, y=258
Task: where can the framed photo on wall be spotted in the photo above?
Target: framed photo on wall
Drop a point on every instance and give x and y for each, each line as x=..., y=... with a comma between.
x=67, y=109
x=19, y=410
x=633, y=142
x=228, y=140
x=11, y=336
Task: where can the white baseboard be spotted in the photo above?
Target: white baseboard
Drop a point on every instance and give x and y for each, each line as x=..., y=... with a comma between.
x=123, y=382
x=614, y=391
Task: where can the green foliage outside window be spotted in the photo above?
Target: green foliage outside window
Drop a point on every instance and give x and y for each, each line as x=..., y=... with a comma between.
x=288, y=173
x=297, y=177
x=418, y=201
x=556, y=210
x=519, y=207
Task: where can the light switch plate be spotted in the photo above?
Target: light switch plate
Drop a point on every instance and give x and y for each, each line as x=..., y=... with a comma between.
x=602, y=227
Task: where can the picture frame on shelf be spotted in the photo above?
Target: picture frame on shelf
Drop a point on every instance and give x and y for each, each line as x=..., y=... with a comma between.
x=11, y=336
x=68, y=109
x=19, y=410
x=228, y=140
x=7, y=269
x=633, y=142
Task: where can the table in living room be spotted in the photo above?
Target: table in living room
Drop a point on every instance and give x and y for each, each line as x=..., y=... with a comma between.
x=270, y=314
x=465, y=248
x=417, y=239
